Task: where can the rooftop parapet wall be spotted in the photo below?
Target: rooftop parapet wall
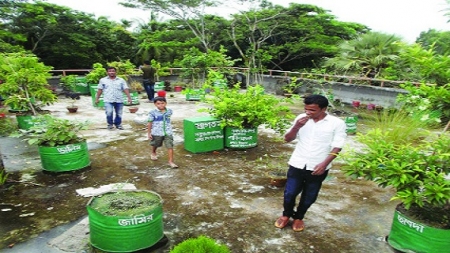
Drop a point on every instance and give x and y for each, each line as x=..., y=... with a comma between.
x=345, y=92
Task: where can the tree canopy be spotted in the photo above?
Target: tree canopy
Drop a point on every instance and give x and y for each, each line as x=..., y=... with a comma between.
x=298, y=37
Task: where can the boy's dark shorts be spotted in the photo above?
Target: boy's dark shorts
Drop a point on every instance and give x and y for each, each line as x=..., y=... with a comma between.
x=157, y=141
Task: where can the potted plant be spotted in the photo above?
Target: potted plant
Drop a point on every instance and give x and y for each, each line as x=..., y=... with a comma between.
x=136, y=86
x=241, y=113
x=72, y=108
x=93, y=78
x=69, y=83
x=125, y=220
x=275, y=168
x=59, y=142
x=25, y=87
x=401, y=154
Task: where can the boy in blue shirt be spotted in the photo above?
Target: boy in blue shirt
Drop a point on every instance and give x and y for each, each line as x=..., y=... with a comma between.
x=159, y=129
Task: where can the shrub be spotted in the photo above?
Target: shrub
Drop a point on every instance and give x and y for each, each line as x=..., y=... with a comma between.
x=201, y=244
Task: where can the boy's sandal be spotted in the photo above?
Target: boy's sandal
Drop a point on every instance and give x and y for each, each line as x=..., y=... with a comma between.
x=298, y=225
x=154, y=157
x=282, y=222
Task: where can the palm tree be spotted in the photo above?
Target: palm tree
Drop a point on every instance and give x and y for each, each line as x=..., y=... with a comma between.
x=366, y=55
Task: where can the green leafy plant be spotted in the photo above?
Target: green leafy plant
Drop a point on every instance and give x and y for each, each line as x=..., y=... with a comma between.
x=3, y=177
x=397, y=125
x=136, y=86
x=69, y=82
x=25, y=86
x=215, y=79
x=292, y=86
x=52, y=131
x=160, y=70
x=197, y=64
x=97, y=73
x=430, y=103
x=415, y=166
x=274, y=166
x=201, y=244
x=7, y=125
x=124, y=69
x=249, y=109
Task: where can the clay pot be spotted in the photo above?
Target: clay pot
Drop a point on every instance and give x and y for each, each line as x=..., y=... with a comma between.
x=277, y=178
x=133, y=109
x=356, y=104
x=72, y=109
x=370, y=106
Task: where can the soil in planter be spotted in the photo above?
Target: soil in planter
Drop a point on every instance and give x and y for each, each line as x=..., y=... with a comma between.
x=434, y=217
x=125, y=203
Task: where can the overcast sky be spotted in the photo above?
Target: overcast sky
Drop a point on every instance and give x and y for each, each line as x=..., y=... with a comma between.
x=406, y=18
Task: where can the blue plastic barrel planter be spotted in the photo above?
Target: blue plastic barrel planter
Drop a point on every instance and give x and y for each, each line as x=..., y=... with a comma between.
x=125, y=220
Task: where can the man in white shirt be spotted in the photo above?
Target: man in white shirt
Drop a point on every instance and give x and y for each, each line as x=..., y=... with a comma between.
x=320, y=138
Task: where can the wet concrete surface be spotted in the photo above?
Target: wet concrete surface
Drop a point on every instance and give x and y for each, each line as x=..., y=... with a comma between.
x=224, y=195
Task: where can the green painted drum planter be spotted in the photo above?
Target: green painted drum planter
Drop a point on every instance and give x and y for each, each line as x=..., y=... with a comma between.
x=25, y=122
x=195, y=95
x=202, y=134
x=407, y=235
x=241, y=138
x=351, y=122
x=134, y=98
x=65, y=157
x=159, y=86
x=125, y=220
x=93, y=89
x=81, y=85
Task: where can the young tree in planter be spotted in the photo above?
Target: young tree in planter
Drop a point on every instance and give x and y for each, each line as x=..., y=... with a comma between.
x=25, y=85
x=61, y=146
x=399, y=153
x=244, y=112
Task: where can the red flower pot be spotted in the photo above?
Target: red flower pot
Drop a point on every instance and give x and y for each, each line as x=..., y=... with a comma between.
x=356, y=103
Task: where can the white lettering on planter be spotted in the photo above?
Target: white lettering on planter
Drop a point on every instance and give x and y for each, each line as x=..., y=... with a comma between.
x=138, y=219
x=410, y=223
x=206, y=136
x=69, y=148
x=205, y=125
x=237, y=131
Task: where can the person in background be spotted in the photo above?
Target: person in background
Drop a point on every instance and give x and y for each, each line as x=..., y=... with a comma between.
x=159, y=129
x=148, y=80
x=112, y=87
x=320, y=137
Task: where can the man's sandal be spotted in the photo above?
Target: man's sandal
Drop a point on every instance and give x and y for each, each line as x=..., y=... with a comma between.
x=154, y=157
x=298, y=225
x=282, y=222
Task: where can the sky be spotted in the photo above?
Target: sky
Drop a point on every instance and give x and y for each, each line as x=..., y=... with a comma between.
x=406, y=18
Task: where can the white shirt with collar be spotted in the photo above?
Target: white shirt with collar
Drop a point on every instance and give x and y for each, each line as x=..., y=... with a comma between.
x=316, y=140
